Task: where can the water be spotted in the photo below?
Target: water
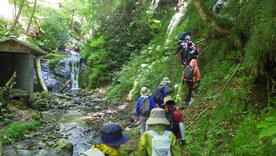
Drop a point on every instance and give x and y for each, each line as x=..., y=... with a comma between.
x=73, y=63
x=176, y=19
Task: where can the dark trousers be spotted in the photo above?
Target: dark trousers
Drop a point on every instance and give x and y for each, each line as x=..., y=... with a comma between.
x=190, y=85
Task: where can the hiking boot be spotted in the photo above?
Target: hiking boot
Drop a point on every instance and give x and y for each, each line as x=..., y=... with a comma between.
x=191, y=101
x=193, y=93
x=186, y=103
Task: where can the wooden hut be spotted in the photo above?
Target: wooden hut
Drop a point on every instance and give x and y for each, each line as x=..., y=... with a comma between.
x=18, y=56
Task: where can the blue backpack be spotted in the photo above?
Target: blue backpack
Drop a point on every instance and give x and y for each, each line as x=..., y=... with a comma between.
x=158, y=92
x=145, y=107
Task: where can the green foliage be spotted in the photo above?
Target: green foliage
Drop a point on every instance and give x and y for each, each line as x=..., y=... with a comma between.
x=54, y=59
x=16, y=131
x=268, y=127
x=5, y=116
x=3, y=27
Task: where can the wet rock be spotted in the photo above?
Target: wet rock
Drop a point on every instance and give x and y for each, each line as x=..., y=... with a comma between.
x=66, y=149
x=41, y=103
x=41, y=145
x=50, y=143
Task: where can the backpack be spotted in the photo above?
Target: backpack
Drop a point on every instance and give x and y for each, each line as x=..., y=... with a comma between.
x=192, y=54
x=145, y=107
x=189, y=72
x=158, y=93
x=174, y=127
x=92, y=152
x=161, y=144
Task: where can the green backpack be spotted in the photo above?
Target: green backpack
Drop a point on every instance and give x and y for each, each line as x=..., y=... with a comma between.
x=189, y=72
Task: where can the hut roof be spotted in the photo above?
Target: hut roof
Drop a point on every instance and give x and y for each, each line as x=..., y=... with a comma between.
x=14, y=45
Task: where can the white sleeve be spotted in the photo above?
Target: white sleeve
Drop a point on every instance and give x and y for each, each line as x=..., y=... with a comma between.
x=182, y=130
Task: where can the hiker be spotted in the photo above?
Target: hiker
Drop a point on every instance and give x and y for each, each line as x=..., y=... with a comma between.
x=162, y=91
x=189, y=53
x=158, y=140
x=183, y=38
x=216, y=8
x=175, y=118
x=186, y=49
x=109, y=142
x=144, y=105
x=191, y=75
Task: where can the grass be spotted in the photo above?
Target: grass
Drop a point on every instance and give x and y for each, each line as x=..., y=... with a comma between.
x=15, y=131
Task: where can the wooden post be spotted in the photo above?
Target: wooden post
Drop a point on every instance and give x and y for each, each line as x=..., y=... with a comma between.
x=39, y=74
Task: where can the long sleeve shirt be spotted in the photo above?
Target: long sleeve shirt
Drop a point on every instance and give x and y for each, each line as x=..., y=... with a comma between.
x=145, y=143
x=138, y=102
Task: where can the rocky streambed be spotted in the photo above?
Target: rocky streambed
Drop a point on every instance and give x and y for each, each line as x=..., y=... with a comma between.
x=69, y=123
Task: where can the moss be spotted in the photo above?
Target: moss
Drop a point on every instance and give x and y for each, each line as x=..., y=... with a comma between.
x=15, y=131
x=54, y=59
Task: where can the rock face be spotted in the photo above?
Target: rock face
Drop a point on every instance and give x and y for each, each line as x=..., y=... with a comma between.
x=54, y=80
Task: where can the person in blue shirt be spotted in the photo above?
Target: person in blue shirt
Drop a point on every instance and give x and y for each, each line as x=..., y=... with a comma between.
x=144, y=105
x=164, y=92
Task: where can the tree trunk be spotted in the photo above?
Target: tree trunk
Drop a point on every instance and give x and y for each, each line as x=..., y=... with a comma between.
x=39, y=74
x=209, y=17
x=31, y=18
x=219, y=25
x=11, y=32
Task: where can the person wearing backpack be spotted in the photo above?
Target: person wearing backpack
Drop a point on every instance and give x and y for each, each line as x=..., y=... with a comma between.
x=187, y=51
x=190, y=53
x=109, y=142
x=175, y=118
x=162, y=91
x=191, y=75
x=144, y=105
x=158, y=141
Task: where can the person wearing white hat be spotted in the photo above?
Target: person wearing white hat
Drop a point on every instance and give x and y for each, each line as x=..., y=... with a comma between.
x=144, y=105
x=158, y=124
x=162, y=91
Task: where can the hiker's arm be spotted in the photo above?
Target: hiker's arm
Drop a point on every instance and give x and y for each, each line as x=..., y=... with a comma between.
x=175, y=148
x=198, y=73
x=166, y=90
x=138, y=107
x=180, y=121
x=182, y=130
x=142, y=147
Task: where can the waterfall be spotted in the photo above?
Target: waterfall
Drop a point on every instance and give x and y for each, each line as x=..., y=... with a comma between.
x=73, y=63
x=176, y=19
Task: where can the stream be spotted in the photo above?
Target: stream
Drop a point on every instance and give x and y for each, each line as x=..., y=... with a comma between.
x=70, y=125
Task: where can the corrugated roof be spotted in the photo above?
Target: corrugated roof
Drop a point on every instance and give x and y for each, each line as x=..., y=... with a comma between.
x=35, y=50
